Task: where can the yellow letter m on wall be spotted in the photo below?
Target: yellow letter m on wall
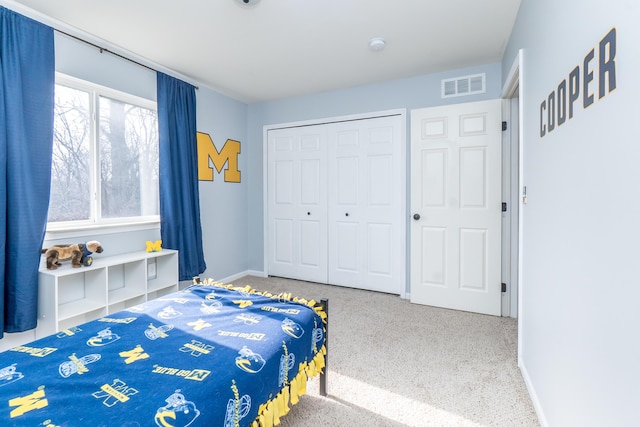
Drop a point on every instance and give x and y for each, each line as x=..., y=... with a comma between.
x=227, y=156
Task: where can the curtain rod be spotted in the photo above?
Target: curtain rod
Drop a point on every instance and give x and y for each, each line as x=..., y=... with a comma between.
x=103, y=49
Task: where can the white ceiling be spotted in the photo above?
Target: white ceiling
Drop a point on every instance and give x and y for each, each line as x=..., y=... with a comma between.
x=283, y=48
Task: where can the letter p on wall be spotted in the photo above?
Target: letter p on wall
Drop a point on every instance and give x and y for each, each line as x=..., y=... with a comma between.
x=227, y=156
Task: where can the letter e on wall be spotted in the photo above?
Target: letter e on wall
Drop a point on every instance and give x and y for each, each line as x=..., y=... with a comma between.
x=227, y=156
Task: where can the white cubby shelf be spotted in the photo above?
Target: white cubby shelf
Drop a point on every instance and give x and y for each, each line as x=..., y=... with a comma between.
x=70, y=296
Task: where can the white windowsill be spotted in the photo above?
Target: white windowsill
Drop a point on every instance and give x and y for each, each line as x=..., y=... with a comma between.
x=81, y=231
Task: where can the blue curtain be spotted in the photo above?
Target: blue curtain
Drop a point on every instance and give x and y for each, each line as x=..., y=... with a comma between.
x=27, y=78
x=179, y=195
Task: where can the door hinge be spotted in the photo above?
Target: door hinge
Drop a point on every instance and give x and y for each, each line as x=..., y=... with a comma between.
x=504, y=206
x=504, y=287
x=504, y=126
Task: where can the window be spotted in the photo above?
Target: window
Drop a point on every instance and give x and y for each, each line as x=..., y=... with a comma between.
x=105, y=157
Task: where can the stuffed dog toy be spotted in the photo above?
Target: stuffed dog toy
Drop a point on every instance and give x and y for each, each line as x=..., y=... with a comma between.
x=78, y=253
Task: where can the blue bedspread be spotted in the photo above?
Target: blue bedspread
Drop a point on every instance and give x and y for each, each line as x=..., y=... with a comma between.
x=207, y=356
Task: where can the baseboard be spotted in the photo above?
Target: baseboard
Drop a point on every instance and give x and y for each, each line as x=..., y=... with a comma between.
x=532, y=394
x=232, y=278
x=257, y=273
x=16, y=339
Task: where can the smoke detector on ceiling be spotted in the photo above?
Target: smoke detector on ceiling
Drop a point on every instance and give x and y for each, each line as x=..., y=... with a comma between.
x=248, y=2
x=377, y=44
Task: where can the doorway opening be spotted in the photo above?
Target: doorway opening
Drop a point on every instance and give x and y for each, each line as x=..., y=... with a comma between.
x=513, y=189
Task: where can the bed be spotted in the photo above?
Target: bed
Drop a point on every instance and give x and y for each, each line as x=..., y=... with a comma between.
x=210, y=355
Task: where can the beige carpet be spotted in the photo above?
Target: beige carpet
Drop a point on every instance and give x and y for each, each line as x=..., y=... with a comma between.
x=393, y=363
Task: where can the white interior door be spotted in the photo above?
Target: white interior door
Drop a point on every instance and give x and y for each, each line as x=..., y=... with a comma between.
x=297, y=208
x=456, y=206
x=366, y=204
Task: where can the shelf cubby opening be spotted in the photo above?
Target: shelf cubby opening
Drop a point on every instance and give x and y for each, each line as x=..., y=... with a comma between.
x=79, y=319
x=126, y=281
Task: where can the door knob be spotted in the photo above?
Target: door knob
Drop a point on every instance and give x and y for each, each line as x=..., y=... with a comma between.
x=416, y=216
x=308, y=213
x=346, y=214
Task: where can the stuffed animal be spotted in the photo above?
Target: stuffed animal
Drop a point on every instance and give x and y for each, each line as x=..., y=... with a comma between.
x=78, y=253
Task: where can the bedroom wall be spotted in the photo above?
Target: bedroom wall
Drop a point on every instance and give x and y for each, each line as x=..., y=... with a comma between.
x=222, y=204
x=579, y=293
x=80, y=60
x=417, y=92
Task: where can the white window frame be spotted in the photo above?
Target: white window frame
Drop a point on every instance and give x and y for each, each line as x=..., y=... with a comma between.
x=69, y=229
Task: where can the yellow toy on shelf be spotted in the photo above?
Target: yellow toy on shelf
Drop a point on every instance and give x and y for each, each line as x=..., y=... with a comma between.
x=154, y=246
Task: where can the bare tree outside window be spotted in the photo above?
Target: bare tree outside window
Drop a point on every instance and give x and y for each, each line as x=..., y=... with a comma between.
x=70, y=184
x=128, y=160
x=122, y=181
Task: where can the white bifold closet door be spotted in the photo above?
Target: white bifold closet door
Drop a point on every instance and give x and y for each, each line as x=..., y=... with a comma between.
x=336, y=203
x=366, y=211
x=297, y=203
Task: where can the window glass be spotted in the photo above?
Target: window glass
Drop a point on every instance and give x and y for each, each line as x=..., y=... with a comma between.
x=71, y=159
x=105, y=157
x=128, y=160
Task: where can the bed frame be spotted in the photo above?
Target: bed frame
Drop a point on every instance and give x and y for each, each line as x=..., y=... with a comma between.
x=324, y=304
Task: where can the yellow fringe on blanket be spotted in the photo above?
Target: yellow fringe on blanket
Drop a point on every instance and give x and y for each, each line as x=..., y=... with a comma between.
x=269, y=413
x=281, y=296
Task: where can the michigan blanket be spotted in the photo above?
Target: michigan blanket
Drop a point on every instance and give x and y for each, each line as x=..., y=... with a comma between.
x=206, y=356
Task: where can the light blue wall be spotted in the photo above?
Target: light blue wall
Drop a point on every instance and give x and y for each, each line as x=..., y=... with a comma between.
x=223, y=205
x=579, y=292
x=417, y=92
x=80, y=60
x=86, y=62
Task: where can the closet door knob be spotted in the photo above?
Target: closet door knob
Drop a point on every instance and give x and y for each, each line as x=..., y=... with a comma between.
x=308, y=213
x=416, y=216
x=346, y=214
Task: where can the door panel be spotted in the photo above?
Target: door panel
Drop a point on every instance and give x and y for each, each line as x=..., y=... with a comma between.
x=473, y=254
x=433, y=240
x=296, y=194
x=473, y=178
x=310, y=182
x=379, y=181
x=310, y=253
x=284, y=183
x=283, y=242
x=380, y=262
x=433, y=167
x=347, y=173
x=456, y=191
x=366, y=212
x=347, y=239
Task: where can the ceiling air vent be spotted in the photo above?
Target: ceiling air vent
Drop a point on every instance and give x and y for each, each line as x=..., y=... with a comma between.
x=466, y=85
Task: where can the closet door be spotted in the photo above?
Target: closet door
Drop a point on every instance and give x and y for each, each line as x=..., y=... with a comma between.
x=297, y=208
x=366, y=204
